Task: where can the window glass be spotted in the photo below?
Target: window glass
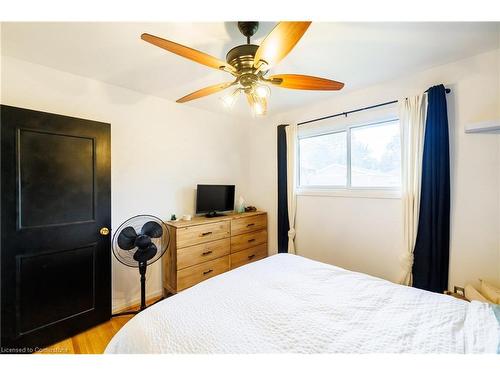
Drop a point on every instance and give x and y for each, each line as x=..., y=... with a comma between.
x=376, y=155
x=323, y=160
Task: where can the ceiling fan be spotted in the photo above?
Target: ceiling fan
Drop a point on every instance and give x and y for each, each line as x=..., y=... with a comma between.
x=249, y=64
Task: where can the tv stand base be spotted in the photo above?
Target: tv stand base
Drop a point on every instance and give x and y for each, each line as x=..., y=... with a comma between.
x=214, y=214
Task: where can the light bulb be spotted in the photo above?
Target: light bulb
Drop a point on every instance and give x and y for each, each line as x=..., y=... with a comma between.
x=258, y=109
x=262, y=91
x=229, y=100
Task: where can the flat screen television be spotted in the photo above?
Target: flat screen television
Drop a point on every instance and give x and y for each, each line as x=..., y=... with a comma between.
x=214, y=199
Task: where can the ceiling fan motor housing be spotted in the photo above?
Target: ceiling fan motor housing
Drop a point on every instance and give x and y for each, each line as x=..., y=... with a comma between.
x=241, y=57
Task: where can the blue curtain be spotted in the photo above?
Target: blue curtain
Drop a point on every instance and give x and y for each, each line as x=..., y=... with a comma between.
x=431, y=254
x=283, y=224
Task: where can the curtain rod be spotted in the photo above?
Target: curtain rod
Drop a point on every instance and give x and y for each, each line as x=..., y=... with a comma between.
x=354, y=111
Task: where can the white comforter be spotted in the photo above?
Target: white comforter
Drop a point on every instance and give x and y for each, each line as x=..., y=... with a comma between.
x=287, y=303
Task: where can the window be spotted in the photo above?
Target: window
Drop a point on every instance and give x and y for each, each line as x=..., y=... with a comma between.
x=358, y=157
x=323, y=160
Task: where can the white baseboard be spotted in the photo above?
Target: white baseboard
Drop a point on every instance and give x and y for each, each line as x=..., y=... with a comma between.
x=122, y=304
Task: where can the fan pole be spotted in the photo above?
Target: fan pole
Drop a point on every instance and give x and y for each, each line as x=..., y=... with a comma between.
x=142, y=271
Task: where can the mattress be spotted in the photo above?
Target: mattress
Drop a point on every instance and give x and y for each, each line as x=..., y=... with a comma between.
x=289, y=304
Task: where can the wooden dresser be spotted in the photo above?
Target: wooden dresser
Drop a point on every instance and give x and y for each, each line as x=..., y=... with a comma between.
x=205, y=247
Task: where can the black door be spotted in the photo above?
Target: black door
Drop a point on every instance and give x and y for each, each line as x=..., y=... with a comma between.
x=56, y=201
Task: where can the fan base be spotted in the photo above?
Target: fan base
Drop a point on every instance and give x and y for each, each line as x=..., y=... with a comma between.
x=134, y=312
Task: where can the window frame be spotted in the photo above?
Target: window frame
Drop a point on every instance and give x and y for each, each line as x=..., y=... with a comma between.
x=348, y=190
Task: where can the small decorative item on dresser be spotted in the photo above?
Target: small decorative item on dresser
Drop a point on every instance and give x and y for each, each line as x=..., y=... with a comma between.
x=241, y=206
x=250, y=209
x=173, y=217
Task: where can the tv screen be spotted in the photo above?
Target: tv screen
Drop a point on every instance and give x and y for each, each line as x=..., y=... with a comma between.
x=212, y=198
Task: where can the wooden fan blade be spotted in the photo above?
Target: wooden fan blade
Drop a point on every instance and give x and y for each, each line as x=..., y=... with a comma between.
x=279, y=43
x=302, y=82
x=205, y=91
x=188, y=53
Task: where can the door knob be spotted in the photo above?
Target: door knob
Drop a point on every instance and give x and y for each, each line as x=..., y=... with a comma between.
x=104, y=231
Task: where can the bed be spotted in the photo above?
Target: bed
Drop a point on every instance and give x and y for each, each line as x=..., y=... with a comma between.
x=289, y=304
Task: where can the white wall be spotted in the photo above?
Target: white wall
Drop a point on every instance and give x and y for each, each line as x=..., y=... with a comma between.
x=160, y=149
x=364, y=234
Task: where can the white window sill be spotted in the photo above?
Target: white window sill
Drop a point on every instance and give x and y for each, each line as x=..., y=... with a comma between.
x=351, y=193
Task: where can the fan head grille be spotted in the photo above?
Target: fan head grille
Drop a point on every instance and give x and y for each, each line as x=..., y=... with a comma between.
x=126, y=257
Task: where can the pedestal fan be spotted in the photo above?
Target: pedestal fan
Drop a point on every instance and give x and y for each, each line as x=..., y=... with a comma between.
x=139, y=242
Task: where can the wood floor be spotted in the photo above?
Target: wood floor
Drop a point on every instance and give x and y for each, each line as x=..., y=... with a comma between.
x=94, y=340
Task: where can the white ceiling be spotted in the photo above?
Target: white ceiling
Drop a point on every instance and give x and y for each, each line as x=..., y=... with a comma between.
x=359, y=54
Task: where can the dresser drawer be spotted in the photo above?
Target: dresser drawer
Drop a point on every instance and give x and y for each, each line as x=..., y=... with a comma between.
x=248, y=256
x=244, y=241
x=189, y=256
x=248, y=224
x=198, y=234
x=190, y=276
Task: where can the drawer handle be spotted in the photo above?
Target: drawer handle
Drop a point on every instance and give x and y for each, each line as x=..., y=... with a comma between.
x=207, y=253
x=206, y=233
x=251, y=256
x=251, y=240
x=207, y=272
x=250, y=225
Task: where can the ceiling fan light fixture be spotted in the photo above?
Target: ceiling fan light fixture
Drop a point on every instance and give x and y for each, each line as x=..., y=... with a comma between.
x=262, y=91
x=229, y=100
x=258, y=108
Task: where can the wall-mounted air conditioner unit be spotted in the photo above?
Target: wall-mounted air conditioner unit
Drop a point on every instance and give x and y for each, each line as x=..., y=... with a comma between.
x=483, y=127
